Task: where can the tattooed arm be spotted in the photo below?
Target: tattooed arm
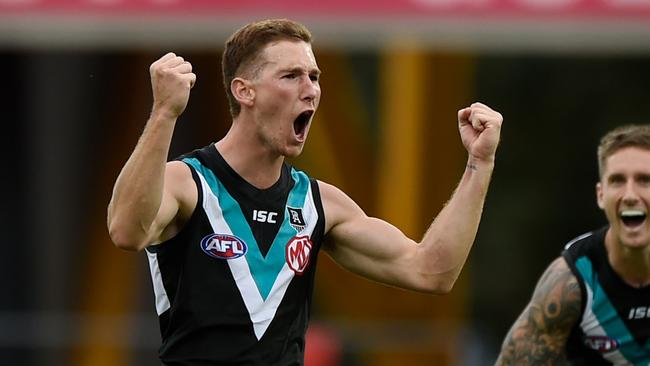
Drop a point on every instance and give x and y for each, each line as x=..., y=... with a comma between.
x=539, y=335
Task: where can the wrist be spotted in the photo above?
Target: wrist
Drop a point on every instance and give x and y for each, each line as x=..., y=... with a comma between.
x=474, y=163
x=160, y=113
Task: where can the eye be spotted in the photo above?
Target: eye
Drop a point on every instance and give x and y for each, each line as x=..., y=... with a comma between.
x=314, y=77
x=289, y=76
x=644, y=179
x=616, y=180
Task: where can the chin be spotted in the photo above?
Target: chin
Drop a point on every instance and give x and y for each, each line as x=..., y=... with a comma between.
x=636, y=241
x=293, y=152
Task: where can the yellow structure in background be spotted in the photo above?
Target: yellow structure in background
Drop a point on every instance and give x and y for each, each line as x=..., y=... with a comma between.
x=403, y=111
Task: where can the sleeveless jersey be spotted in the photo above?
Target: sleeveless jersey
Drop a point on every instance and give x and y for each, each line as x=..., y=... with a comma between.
x=615, y=323
x=234, y=286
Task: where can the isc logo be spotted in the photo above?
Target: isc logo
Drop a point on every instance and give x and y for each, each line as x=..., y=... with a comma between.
x=223, y=246
x=297, y=253
x=639, y=313
x=264, y=216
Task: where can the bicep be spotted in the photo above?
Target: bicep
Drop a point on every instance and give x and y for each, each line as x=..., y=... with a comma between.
x=539, y=335
x=364, y=245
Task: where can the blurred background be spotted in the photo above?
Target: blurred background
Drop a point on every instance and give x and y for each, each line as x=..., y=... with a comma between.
x=75, y=95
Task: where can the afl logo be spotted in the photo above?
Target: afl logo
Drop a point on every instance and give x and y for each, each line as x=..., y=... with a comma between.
x=297, y=253
x=602, y=344
x=223, y=246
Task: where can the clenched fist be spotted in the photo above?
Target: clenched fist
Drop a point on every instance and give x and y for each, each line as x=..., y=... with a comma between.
x=480, y=130
x=171, y=81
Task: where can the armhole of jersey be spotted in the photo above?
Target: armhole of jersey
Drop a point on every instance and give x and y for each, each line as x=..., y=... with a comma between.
x=319, y=206
x=199, y=203
x=199, y=190
x=583, y=290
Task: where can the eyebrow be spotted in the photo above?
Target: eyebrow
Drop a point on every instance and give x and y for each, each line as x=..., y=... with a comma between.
x=615, y=176
x=298, y=69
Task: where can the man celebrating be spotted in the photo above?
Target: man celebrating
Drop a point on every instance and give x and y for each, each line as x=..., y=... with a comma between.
x=232, y=232
x=590, y=307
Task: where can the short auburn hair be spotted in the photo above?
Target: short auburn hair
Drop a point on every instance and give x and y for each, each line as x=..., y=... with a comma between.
x=243, y=49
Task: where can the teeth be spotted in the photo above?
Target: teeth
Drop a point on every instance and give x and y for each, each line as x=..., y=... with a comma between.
x=631, y=213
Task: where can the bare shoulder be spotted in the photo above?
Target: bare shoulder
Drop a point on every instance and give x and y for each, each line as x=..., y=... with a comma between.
x=330, y=192
x=338, y=206
x=539, y=335
x=558, y=280
x=178, y=175
x=178, y=169
x=557, y=294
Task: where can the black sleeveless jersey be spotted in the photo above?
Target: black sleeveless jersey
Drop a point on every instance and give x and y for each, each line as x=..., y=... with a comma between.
x=234, y=286
x=615, y=324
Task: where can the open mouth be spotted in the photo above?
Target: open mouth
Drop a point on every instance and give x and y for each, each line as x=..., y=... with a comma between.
x=633, y=218
x=301, y=122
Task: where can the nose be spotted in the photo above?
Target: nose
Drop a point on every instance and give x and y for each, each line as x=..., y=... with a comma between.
x=310, y=90
x=630, y=196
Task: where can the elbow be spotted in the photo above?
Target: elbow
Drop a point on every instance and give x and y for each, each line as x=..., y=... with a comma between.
x=441, y=288
x=437, y=285
x=440, y=275
x=127, y=245
x=123, y=239
x=444, y=288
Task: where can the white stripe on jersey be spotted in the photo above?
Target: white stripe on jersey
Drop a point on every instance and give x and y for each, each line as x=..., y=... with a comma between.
x=162, y=301
x=585, y=235
x=261, y=311
x=592, y=327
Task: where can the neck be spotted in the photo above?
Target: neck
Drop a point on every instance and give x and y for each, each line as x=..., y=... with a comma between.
x=631, y=264
x=249, y=158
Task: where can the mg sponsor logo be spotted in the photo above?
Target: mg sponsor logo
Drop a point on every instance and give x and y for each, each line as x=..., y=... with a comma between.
x=602, y=344
x=297, y=253
x=223, y=246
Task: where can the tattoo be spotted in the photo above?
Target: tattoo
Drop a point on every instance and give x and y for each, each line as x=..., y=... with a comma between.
x=539, y=335
x=472, y=166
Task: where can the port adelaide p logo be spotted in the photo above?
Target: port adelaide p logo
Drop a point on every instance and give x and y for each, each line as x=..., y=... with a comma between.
x=223, y=246
x=295, y=219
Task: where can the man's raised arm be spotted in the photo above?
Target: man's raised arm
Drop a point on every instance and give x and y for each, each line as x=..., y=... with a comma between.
x=147, y=195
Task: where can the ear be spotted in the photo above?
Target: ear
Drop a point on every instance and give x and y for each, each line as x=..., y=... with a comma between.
x=243, y=91
x=599, y=195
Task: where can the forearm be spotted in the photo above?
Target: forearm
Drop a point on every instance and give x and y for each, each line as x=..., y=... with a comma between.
x=138, y=190
x=447, y=243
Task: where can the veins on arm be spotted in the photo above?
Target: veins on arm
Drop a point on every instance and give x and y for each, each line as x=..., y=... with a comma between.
x=539, y=335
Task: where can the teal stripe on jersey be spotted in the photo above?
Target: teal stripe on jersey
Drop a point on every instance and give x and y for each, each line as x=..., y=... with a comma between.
x=263, y=269
x=276, y=255
x=608, y=317
x=210, y=178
